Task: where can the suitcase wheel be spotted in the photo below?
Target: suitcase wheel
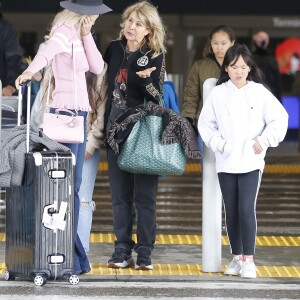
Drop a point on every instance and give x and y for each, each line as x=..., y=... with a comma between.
x=9, y=276
x=74, y=279
x=40, y=280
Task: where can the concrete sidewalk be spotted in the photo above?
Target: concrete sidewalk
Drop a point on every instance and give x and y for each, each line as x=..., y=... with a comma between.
x=103, y=289
x=104, y=283
x=183, y=263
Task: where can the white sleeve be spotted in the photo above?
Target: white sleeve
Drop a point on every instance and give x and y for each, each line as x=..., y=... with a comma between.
x=276, y=119
x=208, y=127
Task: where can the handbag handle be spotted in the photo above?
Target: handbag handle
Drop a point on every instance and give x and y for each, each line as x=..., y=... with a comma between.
x=69, y=120
x=73, y=114
x=161, y=101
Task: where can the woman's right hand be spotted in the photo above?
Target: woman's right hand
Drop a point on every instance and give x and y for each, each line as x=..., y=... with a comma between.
x=146, y=73
x=22, y=78
x=87, y=24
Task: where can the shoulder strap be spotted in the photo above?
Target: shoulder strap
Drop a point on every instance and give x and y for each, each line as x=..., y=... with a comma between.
x=74, y=75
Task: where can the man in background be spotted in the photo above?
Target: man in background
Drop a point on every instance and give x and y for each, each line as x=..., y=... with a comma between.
x=267, y=63
x=10, y=57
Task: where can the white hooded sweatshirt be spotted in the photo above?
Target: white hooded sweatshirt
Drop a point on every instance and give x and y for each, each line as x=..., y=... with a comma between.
x=233, y=117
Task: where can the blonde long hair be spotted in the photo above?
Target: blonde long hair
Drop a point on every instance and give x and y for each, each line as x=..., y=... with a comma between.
x=69, y=17
x=149, y=16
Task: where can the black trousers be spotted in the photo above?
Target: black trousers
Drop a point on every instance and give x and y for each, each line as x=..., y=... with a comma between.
x=126, y=188
x=239, y=197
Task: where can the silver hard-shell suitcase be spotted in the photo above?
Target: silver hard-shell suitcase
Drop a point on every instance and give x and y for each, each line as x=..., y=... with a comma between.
x=39, y=217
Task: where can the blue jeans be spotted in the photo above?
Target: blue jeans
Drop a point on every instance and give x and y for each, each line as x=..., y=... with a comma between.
x=81, y=262
x=200, y=143
x=87, y=205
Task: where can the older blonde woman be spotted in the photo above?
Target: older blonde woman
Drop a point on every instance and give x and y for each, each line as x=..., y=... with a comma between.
x=136, y=68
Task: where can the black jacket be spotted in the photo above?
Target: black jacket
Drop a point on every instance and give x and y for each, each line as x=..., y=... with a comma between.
x=138, y=89
x=270, y=70
x=10, y=57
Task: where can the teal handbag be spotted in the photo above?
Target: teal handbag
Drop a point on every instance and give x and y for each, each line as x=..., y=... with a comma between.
x=144, y=153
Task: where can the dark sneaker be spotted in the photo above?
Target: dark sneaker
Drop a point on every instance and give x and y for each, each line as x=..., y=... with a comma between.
x=121, y=258
x=143, y=261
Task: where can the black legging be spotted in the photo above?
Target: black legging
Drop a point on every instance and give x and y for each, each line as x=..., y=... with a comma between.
x=239, y=197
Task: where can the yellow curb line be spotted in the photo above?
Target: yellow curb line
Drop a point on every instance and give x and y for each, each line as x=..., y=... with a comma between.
x=178, y=239
x=186, y=270
x=269, y=168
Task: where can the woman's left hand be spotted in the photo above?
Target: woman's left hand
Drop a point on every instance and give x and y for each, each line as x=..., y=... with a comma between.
x=87, y=24
x=145, y=73
x=257, y=147
x=87, y=155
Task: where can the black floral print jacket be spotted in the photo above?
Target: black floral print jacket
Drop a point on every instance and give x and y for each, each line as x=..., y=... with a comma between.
x=138, y=89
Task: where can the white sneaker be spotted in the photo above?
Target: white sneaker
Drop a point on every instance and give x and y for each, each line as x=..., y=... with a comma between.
x=235, y=266
x=248, y=269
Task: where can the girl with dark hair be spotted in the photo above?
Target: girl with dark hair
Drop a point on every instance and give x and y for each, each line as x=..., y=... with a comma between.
x=239, y=121
x=219, y=40
x=231, y=59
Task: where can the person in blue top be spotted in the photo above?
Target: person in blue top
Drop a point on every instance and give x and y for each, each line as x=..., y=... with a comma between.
x=169, y=94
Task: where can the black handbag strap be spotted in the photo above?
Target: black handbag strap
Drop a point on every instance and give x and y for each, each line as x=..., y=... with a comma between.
x=161, y=101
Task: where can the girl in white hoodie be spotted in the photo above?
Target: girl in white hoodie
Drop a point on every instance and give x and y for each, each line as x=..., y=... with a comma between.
x=239, y=121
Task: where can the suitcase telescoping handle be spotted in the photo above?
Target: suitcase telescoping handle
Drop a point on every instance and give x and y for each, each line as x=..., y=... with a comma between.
x=20, y=98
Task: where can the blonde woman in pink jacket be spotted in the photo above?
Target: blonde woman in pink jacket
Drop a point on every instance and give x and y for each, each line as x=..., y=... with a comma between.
x=71, y=36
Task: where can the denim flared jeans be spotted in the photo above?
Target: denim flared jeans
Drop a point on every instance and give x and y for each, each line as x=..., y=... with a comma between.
x=81, y=262
x=87, y=205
